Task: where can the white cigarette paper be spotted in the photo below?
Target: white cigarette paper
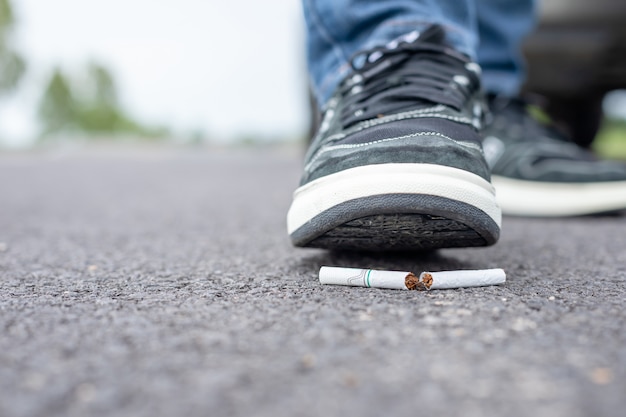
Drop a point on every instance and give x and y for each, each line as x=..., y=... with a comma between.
x=369, y=278
x=401, y=280
x=463, y=279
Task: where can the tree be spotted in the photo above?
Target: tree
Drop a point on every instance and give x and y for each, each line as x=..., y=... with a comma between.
x=12, y=65
x=64, y=108
x=58, y=107
x=92, y=109
x=100, y=111
x=103, y=86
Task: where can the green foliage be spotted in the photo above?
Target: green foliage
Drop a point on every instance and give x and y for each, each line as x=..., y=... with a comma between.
x=58, y=106
x=102, y=85
x=92, y=109
x=12, y=65
x=6, y=16
x=86, y=105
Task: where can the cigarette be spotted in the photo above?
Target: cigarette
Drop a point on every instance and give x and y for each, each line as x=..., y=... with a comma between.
x=463, y=279
x=401, y=280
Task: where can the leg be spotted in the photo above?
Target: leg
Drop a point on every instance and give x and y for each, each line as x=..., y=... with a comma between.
x=397, y=161
x=502, y=26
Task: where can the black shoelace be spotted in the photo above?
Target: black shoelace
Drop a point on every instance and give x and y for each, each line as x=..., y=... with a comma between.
x=411, y=75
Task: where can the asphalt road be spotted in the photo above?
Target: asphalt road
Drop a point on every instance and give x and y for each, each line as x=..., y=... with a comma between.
x=162, y=283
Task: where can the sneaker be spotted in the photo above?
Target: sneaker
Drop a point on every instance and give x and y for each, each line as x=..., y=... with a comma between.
x=397, y=163
x=537, y=171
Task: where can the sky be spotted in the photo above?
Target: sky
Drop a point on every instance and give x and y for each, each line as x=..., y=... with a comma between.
x=228, y=68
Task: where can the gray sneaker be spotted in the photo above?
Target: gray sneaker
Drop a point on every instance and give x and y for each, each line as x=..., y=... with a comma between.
x=537, y=171
x=397, y=162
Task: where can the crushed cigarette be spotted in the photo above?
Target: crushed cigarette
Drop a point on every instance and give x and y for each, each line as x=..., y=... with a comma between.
x=400, y=280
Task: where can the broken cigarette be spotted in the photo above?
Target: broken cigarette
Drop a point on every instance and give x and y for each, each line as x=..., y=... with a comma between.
x=400, y=280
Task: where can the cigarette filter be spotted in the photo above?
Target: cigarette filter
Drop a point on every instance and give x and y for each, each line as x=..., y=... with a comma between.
x=401, y=280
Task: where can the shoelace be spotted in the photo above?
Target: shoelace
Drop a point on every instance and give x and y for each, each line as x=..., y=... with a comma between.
x=406, y=76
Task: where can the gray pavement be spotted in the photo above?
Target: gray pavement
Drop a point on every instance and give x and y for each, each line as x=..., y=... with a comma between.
x=162, y=283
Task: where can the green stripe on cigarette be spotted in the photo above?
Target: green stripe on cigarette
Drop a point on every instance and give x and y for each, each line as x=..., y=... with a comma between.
x=367, y=279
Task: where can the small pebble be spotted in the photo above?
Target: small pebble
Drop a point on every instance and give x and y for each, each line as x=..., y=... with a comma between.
x=308, y=361
x=601, y=376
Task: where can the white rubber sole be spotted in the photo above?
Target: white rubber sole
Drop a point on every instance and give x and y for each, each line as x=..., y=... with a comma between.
x=536, y=199
x=322, y=194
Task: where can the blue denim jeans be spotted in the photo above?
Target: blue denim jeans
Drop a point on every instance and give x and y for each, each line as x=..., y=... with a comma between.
x=489, y=31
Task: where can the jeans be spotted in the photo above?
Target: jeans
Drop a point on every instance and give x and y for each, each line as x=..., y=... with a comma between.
x=489, y=31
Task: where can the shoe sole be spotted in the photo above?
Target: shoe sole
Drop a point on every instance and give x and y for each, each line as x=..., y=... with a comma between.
x=394, y=207
x=552, y=199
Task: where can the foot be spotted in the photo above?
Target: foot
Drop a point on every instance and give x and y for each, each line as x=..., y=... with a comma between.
x=537, y=171
x=397, y=162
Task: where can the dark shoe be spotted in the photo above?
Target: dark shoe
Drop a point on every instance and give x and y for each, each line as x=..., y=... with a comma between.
x=397, y=163
x=537, y=171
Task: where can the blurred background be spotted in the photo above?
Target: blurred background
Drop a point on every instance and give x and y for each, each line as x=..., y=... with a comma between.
x=233, y=73
x=179, y=70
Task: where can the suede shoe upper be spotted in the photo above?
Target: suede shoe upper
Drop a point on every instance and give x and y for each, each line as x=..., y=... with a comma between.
x=416, y=101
